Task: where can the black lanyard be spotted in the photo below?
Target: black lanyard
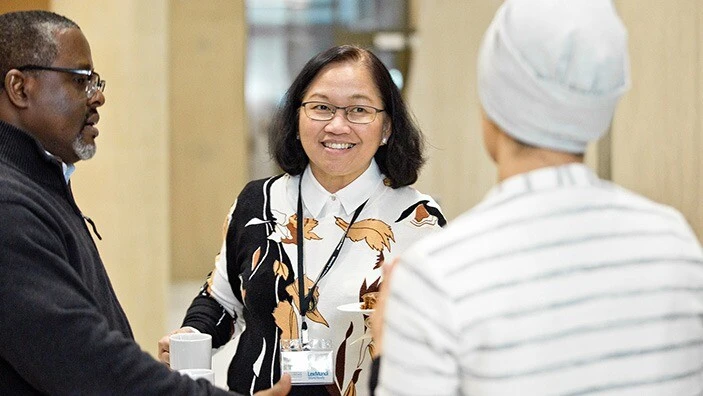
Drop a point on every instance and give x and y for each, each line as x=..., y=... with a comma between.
x=306, y=299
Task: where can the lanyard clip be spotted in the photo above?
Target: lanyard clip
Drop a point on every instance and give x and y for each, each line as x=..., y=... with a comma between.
x=304, y=338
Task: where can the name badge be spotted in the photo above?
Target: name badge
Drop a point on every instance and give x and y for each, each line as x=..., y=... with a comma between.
x=311, y=364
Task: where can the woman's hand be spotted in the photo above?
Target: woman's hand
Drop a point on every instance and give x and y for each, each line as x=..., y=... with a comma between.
x=165, y=345
x=380, y=308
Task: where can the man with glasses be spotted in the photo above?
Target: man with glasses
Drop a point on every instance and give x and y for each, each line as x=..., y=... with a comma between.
x=64, y=329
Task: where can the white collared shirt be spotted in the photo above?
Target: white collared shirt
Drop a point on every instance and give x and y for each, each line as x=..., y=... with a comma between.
x=320, y=203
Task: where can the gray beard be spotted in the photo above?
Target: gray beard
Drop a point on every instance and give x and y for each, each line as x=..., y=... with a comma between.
x=83, y=150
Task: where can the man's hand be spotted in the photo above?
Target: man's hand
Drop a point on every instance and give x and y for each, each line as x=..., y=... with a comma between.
x=165, y=345
x=281, y=388
x=380, y=308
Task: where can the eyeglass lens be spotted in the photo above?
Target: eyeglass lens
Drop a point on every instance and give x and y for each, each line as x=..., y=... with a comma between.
x=358, y=114
x=94, y=85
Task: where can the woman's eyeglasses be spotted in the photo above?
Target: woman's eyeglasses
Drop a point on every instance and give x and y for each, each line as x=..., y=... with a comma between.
x=356, y=114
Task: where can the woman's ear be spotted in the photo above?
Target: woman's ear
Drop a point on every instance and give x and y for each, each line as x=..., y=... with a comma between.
x=15, y=84
x=386, y=133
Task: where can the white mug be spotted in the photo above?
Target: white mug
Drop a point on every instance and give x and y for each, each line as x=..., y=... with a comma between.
x=190, y=351
x=199, y=373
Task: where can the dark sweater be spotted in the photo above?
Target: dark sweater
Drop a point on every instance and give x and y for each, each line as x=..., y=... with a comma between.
x=63, y=330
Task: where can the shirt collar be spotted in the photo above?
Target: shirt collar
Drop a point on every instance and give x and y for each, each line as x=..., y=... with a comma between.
x=574, y=174
x=68, y=169
x=350, y=197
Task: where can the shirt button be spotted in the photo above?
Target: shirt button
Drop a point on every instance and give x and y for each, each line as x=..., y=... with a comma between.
x=334, y=197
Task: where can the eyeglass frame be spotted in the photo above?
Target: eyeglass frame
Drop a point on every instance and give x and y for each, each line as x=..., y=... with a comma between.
x=346, y=113
x=99, y=84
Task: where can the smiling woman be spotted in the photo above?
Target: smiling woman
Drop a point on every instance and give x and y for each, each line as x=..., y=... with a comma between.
x=339, y=149
x=366, y=81
x=302, y=244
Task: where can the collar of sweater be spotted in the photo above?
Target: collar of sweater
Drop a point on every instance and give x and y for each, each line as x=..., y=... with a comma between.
x=23, y=152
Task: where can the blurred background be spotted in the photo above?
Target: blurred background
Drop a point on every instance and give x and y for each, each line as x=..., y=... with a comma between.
x=192, y=86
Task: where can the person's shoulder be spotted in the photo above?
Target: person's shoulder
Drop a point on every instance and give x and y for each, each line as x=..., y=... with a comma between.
x=14, y=184
x=255, y=195
x=422, y=256
x=467, y=224
x=658, y=215
x=410, y=202
x=259, y=186
x=624, y=196
x=22, y=201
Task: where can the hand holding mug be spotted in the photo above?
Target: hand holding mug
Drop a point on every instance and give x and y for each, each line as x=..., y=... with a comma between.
x=165, y=345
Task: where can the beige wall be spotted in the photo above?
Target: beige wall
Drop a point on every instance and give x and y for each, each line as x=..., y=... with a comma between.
x=443, y=96
x=172, y=149
x=125, y=187
x=442, y=93
x=656, y=143
x=657, y=140
x=208, y=128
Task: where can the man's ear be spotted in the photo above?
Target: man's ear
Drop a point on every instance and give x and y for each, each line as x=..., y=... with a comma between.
x=15, y=85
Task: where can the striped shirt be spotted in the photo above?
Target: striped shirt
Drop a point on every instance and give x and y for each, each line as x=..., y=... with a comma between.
x=558, y=283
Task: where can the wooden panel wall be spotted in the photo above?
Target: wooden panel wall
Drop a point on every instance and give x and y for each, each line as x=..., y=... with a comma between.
x=657, y=139
x=208, y=128
x=22, y=5
x=442, y=93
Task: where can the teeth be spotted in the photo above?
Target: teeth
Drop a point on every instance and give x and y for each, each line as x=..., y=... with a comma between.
x=338, y=146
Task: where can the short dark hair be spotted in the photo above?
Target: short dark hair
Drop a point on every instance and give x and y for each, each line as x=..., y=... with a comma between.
x=29, y=38
x=400, y=159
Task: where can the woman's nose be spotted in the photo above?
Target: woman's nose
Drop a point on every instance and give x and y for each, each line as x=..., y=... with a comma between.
x=338, y=123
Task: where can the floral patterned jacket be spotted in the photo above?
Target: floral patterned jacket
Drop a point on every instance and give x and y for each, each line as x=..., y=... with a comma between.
x=260, y=257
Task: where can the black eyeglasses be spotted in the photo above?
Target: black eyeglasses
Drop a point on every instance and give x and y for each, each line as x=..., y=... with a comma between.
x=356, y=114
x=92, y=82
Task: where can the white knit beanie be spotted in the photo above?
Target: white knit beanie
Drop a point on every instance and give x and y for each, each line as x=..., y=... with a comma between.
x=550, y=72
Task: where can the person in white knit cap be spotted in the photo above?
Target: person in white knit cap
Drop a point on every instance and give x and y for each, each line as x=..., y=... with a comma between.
x=558, y=282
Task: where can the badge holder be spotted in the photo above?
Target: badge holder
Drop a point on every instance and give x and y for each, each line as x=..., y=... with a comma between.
x=308, y=364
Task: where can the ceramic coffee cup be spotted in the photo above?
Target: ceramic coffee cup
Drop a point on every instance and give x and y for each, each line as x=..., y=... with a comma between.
x=190, y=351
